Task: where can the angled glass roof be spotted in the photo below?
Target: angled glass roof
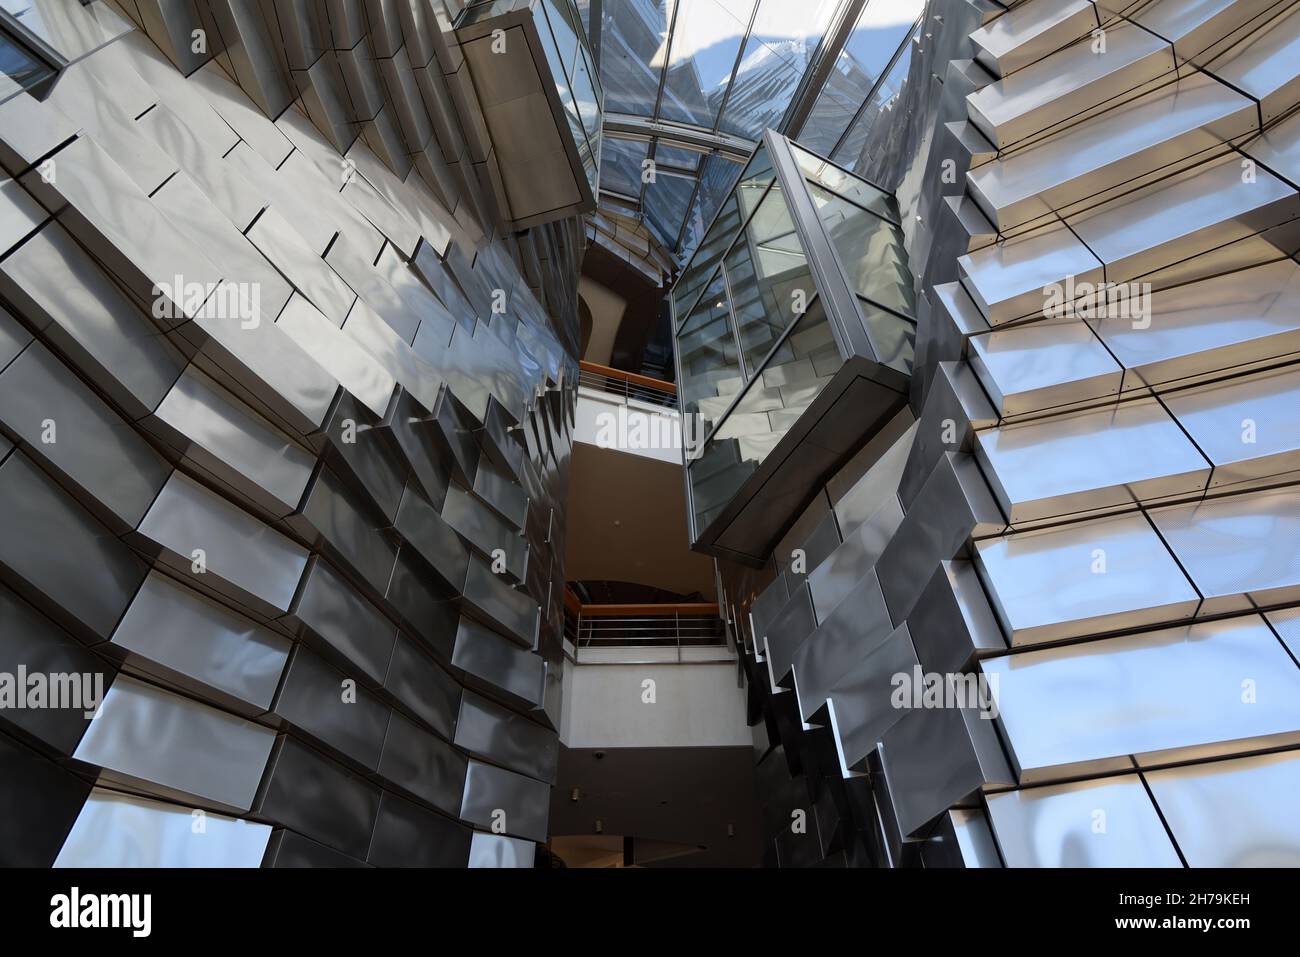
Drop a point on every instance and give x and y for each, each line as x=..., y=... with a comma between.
x=694, y=72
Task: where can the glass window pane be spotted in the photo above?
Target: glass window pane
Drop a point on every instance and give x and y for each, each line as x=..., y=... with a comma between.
x=710, y=370
x=893, y=337
x=857, y=143
x=870, y=250
x=856, y=190
x=633, y=50
x=778, y=52
x=770, y=280
x=706, y=259
x=665, y=204
x=767, y=410
x=23, y=68
x=706, y=39
x=564, y=30
x=620, y=168
x=717, y=177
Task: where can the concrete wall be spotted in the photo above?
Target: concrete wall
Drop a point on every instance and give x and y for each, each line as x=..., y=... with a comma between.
x=695, y=705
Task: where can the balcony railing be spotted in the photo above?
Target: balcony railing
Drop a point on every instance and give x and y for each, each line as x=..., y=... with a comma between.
x=627, y=385
x=664, y=628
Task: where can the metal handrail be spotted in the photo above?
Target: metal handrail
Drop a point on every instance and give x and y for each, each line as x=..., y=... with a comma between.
x=643, y=626
x=627, y=385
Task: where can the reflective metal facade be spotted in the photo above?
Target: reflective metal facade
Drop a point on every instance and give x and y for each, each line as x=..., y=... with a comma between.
x=1090, y=506
x=284, y=436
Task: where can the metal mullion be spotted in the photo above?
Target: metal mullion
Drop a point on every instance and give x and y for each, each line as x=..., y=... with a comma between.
x=744, y=224
x=735, y=67
x=893, y=61
x=668, y=56
x=823, y=62
x=595, y=24
x=731, y=316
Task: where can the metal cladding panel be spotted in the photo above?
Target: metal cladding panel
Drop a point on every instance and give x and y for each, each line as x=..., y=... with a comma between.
x=503, y=801
x=245, y=363
x=168, y=745
x=1106, y=823
x=1095, y=562
x=118, y=830
x=225, y=654
x=30, y=644
x=44, y=800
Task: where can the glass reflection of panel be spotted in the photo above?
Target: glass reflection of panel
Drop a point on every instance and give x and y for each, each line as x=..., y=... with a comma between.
x=870, y=250
x=633, y=49
x=710, y=370
x=486, y=10
x=770, y=281
x=892, y=336
x=706, y=39
x=22, y=67
x=717, y=177
x=768, y=409
x=707, y=257
x=845, y=184
x=666, y=201
x=880, y=29
x=777, y=54
x=564, y=29
x=858, y=140
x=620, y=170
x=754, y=181
x=584, y=92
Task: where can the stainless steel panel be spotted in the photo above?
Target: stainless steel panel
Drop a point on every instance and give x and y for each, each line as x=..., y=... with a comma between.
x=44, y=801
x=516, y=614
x=858, y=626
x=326, y=704
x=358, y=371
x=337, y=520
x=505, y=802
x=1241, y=550
x=64, y=424
x=833, y=580
x=1042, y=365
x=406, y=835
x=232, y=442
x=432, y=537
x=503, y=666
x=423, y=688
x=317, y=797
x=1233, y=813
x=938, y=759
x=497, y=850
x=119, y=830
x=1245, y=426
x=1106, y=823
x=63, y=293
x=1086, y=461
x=255, y=564
x=341, y=624
x=51, y=542
x=423, y=765
x=952, y=621
x=860, y=707
x=1104, y=575
x=181, y=637
x=492, y=732
x=31, y=645
x=176, y=748
x=1147, y=699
